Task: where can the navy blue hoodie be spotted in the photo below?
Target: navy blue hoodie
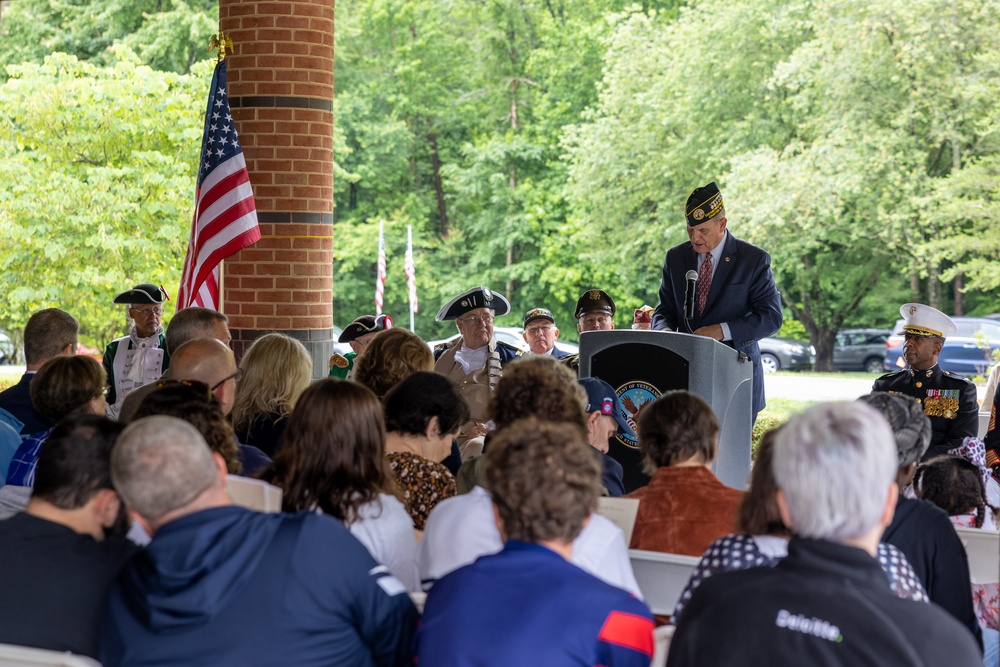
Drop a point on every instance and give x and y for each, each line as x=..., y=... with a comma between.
x=227, y=586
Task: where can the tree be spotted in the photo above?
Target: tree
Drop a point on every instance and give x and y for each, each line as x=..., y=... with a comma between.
x=99, y=168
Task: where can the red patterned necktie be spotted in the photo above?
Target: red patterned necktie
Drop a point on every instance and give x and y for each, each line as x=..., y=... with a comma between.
x=704, y=282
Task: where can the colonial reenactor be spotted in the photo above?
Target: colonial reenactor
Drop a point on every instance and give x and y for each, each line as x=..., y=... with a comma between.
x=357, y=334
x=140, y=357
x=475, y=360
x=595, y=311
x=642, y=320
x=541, y=333
x=949, y=400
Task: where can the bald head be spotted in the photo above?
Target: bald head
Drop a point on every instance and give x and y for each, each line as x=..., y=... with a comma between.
x=209, y=361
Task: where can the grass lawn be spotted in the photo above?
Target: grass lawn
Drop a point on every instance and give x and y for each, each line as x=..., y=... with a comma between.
x=777, y=412
x=9, y=375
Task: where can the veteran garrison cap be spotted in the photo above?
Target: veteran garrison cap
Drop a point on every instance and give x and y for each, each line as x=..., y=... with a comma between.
x=143, y=294
x=538, y=314
x=477, y=297
x=601, y=397
x=365, y=324
x=925, y=321
x=703, y=204
x=594, y=300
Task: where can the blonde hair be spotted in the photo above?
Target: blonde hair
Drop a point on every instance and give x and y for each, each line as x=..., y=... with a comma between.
x=276, y=370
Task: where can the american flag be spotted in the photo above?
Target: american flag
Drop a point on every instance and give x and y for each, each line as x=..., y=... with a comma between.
x=225, y=217
x=410, y=270
x=380, y=278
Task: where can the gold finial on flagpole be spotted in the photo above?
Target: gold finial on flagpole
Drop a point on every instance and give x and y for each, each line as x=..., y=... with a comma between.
x=222, y=42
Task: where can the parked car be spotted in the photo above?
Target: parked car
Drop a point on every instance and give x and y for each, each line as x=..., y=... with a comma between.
x=860, y=350
x=963, y=353
x=785, y=354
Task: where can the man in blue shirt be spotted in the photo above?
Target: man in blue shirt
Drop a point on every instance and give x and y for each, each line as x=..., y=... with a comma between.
x=528, y=605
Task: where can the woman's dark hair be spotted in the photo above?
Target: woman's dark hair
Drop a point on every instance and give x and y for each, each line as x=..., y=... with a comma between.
x=759, y=513
x=195, y=403
x=390, y=357
x=676, y=427
x=410, y=405
x=538, y=386
x=334, y=452
x=65, y=385
x=954, y=485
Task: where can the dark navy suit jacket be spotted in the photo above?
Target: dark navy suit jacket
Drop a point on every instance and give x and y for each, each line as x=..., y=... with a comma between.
x=17, y=401
x=743, y=295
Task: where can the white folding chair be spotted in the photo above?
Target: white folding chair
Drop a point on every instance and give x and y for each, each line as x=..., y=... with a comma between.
x=984, y=423
x=661, y=577
x=661, y=645
x=25, y=656
x=983, y=549
x=254, y=494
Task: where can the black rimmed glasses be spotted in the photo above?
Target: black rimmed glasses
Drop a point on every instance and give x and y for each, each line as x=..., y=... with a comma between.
x=235, y=376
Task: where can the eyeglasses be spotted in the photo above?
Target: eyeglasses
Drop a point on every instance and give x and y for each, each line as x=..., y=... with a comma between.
x=485, y=319
x=538, y=331
x=235, y=376
x=146, y=311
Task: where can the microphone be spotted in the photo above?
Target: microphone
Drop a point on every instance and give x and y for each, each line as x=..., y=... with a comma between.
x=692, y=281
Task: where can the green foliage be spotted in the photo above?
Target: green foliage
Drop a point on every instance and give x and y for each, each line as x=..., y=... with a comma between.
x=99, y=172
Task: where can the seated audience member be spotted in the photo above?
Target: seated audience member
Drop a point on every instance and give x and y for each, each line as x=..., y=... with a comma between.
x=956, y=486
x=919, y=529
x=275, y=371
x=66, y=386
x=422, y=416
x=528, y=605
x=357, y=334
x=334, y=460
x=461, y=529
x=389, y=358
x=186, y=325
x=194, y=403
x=48, y=333
x=684, y=507
x=828, y=601
x=763, y=538
x=604, y=420
x=223, y=585
x=60, y=556
x=209, y=362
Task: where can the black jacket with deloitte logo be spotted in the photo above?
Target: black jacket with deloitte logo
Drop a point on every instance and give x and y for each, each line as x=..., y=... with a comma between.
x=824, y=604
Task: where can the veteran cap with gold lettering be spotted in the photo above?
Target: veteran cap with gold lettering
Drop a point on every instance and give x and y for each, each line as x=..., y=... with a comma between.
x=703, y=204
x=925, y=321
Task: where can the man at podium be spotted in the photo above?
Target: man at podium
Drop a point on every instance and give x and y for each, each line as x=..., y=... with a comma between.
x=717, y=286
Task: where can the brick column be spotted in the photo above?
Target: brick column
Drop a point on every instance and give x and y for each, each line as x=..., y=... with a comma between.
x=281, y=94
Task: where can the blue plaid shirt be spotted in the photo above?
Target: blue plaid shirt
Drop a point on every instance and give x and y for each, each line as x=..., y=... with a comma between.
x=22, y=467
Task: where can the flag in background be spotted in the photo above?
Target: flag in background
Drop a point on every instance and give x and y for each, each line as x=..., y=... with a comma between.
x=225, y=217
x=411, y=273
x=380, y=278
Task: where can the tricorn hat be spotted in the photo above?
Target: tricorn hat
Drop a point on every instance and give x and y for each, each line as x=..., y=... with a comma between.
x=703, y=204
x=594, y=300
x=365, y=324
x=477, y=297
x=143, y=294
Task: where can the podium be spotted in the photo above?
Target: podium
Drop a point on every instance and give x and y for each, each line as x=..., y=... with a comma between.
x=642, y=365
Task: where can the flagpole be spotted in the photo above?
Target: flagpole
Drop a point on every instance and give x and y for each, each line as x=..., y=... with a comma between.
x=380, y=269
x=410, y=276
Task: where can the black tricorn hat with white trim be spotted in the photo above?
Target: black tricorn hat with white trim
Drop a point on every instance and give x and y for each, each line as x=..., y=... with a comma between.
x=142, y=294
x=477, y=297
x=365, y=324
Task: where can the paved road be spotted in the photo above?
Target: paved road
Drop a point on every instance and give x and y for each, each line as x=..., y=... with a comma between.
x=801, y=388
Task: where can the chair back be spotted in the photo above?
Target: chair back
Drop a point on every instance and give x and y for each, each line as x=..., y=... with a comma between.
x=984, y=424
x=26, y=656
x=254, y=494
x=661, y=645
x=983, y=549
x=661, y=577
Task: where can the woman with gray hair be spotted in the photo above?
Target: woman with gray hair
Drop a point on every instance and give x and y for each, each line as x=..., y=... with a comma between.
x=920, y=529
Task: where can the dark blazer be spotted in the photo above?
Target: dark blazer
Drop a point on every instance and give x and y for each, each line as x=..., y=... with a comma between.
x=743, y=295
x=559, y=354
x=17, y=401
